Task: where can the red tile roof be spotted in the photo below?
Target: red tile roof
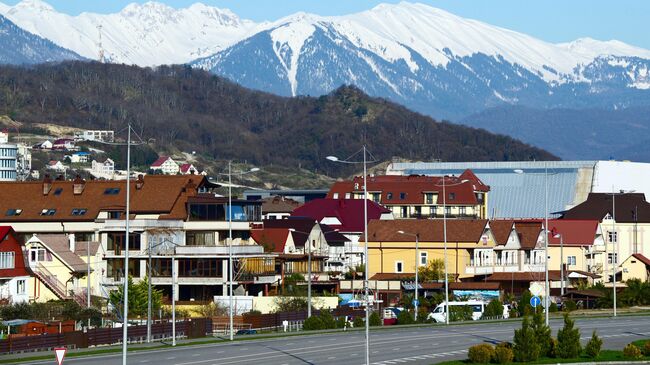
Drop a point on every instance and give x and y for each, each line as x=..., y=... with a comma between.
x=185, y=167
x=642, y=258
x=4, y=231
x=528, y=233
x=630, y=208
x=397, y=189
x=574, y=232
x=274, y=239
x=553, y=275
x=161, y=160
x=501, y=230
x=348, y=211
x=429, y=230
x=478, y=184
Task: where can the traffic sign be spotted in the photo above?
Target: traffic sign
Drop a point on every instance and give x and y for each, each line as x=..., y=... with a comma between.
x=536, y=289
x=416, y=302
x=535, y=301
x=60, y=354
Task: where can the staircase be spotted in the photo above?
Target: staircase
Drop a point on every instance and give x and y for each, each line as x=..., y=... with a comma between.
x=51, y=281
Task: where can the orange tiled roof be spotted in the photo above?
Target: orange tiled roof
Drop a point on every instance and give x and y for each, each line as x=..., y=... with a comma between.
x=429, y=230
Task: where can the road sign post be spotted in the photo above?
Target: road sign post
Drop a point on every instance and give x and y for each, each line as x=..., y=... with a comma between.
x=535, y=301
x=59, y=352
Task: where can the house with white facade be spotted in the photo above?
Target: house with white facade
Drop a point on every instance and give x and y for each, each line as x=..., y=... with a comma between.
x=14, y=272
x=95, y=135
x=105, y=169
x=56, y=166
x=165, y=165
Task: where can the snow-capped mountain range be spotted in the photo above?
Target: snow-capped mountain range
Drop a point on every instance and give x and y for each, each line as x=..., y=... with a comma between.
x=426, y=58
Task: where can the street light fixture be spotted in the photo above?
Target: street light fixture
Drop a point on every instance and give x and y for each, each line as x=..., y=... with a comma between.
x=230, y=275
x=417, y=266
x=174, y=274
x=365, y=235
x=559, y=235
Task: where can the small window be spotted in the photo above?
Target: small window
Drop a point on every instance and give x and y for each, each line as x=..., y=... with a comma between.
x=79, y=211
x=402, y=196
x=462, y=210
x=452, y=196
x=21, y=287
x=399, y=266
x=114, y=215
x=612, y=236
x=13, y=212
x=48, y=212
x=571, y=260
x=424, y=256
x=58, y=191
x=389, y=196
x=112, y=191
x=335, y=195
x=347, y=195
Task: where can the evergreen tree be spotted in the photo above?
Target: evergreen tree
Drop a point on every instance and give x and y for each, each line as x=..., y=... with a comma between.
x=526, y=348
x=542, y=333
x=568, y=339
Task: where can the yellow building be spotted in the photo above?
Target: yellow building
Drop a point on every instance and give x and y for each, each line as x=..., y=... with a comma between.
x=393, y=252
x=60, y=268
x=636, y=266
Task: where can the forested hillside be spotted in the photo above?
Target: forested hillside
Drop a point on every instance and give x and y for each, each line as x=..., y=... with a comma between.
x=195, y=111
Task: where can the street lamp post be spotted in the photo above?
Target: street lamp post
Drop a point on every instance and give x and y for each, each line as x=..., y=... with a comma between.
x=417, y=266
x=365, y=236
x=559, y=235
x=230, y=274
x=126, y=249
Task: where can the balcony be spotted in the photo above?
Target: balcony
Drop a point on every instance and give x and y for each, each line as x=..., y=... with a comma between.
x=441, y=216
x=489, y=268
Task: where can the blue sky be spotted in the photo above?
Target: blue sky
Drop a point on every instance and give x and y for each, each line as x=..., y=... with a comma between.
x=550, y=20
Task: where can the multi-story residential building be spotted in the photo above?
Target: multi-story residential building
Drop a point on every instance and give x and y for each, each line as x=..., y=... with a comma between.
x=175, y=216
x=95, y=135
x=23, y=161
x=14, y=272
x=346, y=216
x=278, y=207
x=8, y=163
x=165, y=165
x=64, y=144
x=623, y=231
x=417, y=196
x=105, y=169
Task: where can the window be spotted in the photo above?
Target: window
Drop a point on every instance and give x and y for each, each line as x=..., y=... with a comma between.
x=389, y=196
x=115, y=268
x=428, y=198
x=462, y=210
x=424, y=257
x=199, y=238
x=79, y=211
x=7, y=260
x=112, y=191
x=376, y=197
x=38, y=254
x=58, y=191
x=571, y=260
x=21, y=287
x=418, y=211
x=335, y=195
x=48, y=212
x=347, y=195
x=402, y=196
x=612, y=236
x=611, y=256
x=114, y=215
x=116, y=241
x=448, y=210
x=203, y=267
x=404, y=212
x=13, y=212
x=452, y=196
x=399, y=266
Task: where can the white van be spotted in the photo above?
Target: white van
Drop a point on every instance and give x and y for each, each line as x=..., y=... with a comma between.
x=438, y=314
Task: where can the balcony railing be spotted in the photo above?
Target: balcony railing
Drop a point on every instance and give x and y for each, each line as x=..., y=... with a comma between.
x=440, y=216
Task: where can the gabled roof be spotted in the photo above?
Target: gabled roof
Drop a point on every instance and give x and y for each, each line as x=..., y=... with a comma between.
x=159, y=194
x=398, y=189
x=4, y=231
x=59, y=245
x=642, y=258
x=573, y=232
x=528, y=232
x=160, y=161
x=429, y=230
x=301, y=226
x=273, y=238
x=501, y=230
x=186, y=167
x=348, y=211
x=630, y=208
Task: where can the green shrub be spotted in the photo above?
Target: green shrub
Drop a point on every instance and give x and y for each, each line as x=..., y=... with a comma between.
x=524, y=306
x=327, y=320
x=503, y=353
x=632, y=352
x=404, y=317
x=542, y=333
x=526, y=348
x=593, y=346
x=359, y=321
x=493, y=309
x=552, y=352
x=480, y=354
x=568, y=339
x=459, y=313
x=646, y=348
x=552, y=308
x=341, y=322
x=312, y=323
x=569, y=306
x=375, y=320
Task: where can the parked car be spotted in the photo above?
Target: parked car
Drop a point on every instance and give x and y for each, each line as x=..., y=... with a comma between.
x=439, y=313
x=246, y=332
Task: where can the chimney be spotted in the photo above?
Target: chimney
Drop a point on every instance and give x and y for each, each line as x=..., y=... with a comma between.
x=71, y=238
x=78, y=185
x=47, y=184
x=139, y=183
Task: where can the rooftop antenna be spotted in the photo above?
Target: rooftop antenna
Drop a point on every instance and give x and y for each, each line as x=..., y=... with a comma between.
x=101, y=48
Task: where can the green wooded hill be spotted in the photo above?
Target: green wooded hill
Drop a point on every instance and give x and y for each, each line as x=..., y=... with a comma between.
x=190, y=110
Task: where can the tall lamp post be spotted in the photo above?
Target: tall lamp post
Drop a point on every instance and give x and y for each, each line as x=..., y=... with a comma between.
x=559, y=235
x=365, y=236
x=230, y=275
x=417, y=267
x=127, y=219
x=614, y=240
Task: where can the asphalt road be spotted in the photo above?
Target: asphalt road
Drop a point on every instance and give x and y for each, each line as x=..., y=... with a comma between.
x=422, y=345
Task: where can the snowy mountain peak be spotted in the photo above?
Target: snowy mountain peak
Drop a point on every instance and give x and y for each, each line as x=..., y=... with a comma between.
x=34, y=5
x=592, y=48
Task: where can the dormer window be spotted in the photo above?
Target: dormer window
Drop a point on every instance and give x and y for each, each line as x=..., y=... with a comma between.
x=402, y=196
x=79, y=211
x=58, y=191
x=389, y=196
x=452, y=196
x=112, y=191
x=48, y=212
x=13, y=212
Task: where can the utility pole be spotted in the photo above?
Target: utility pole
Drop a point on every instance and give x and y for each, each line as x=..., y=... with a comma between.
x=126, y=249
